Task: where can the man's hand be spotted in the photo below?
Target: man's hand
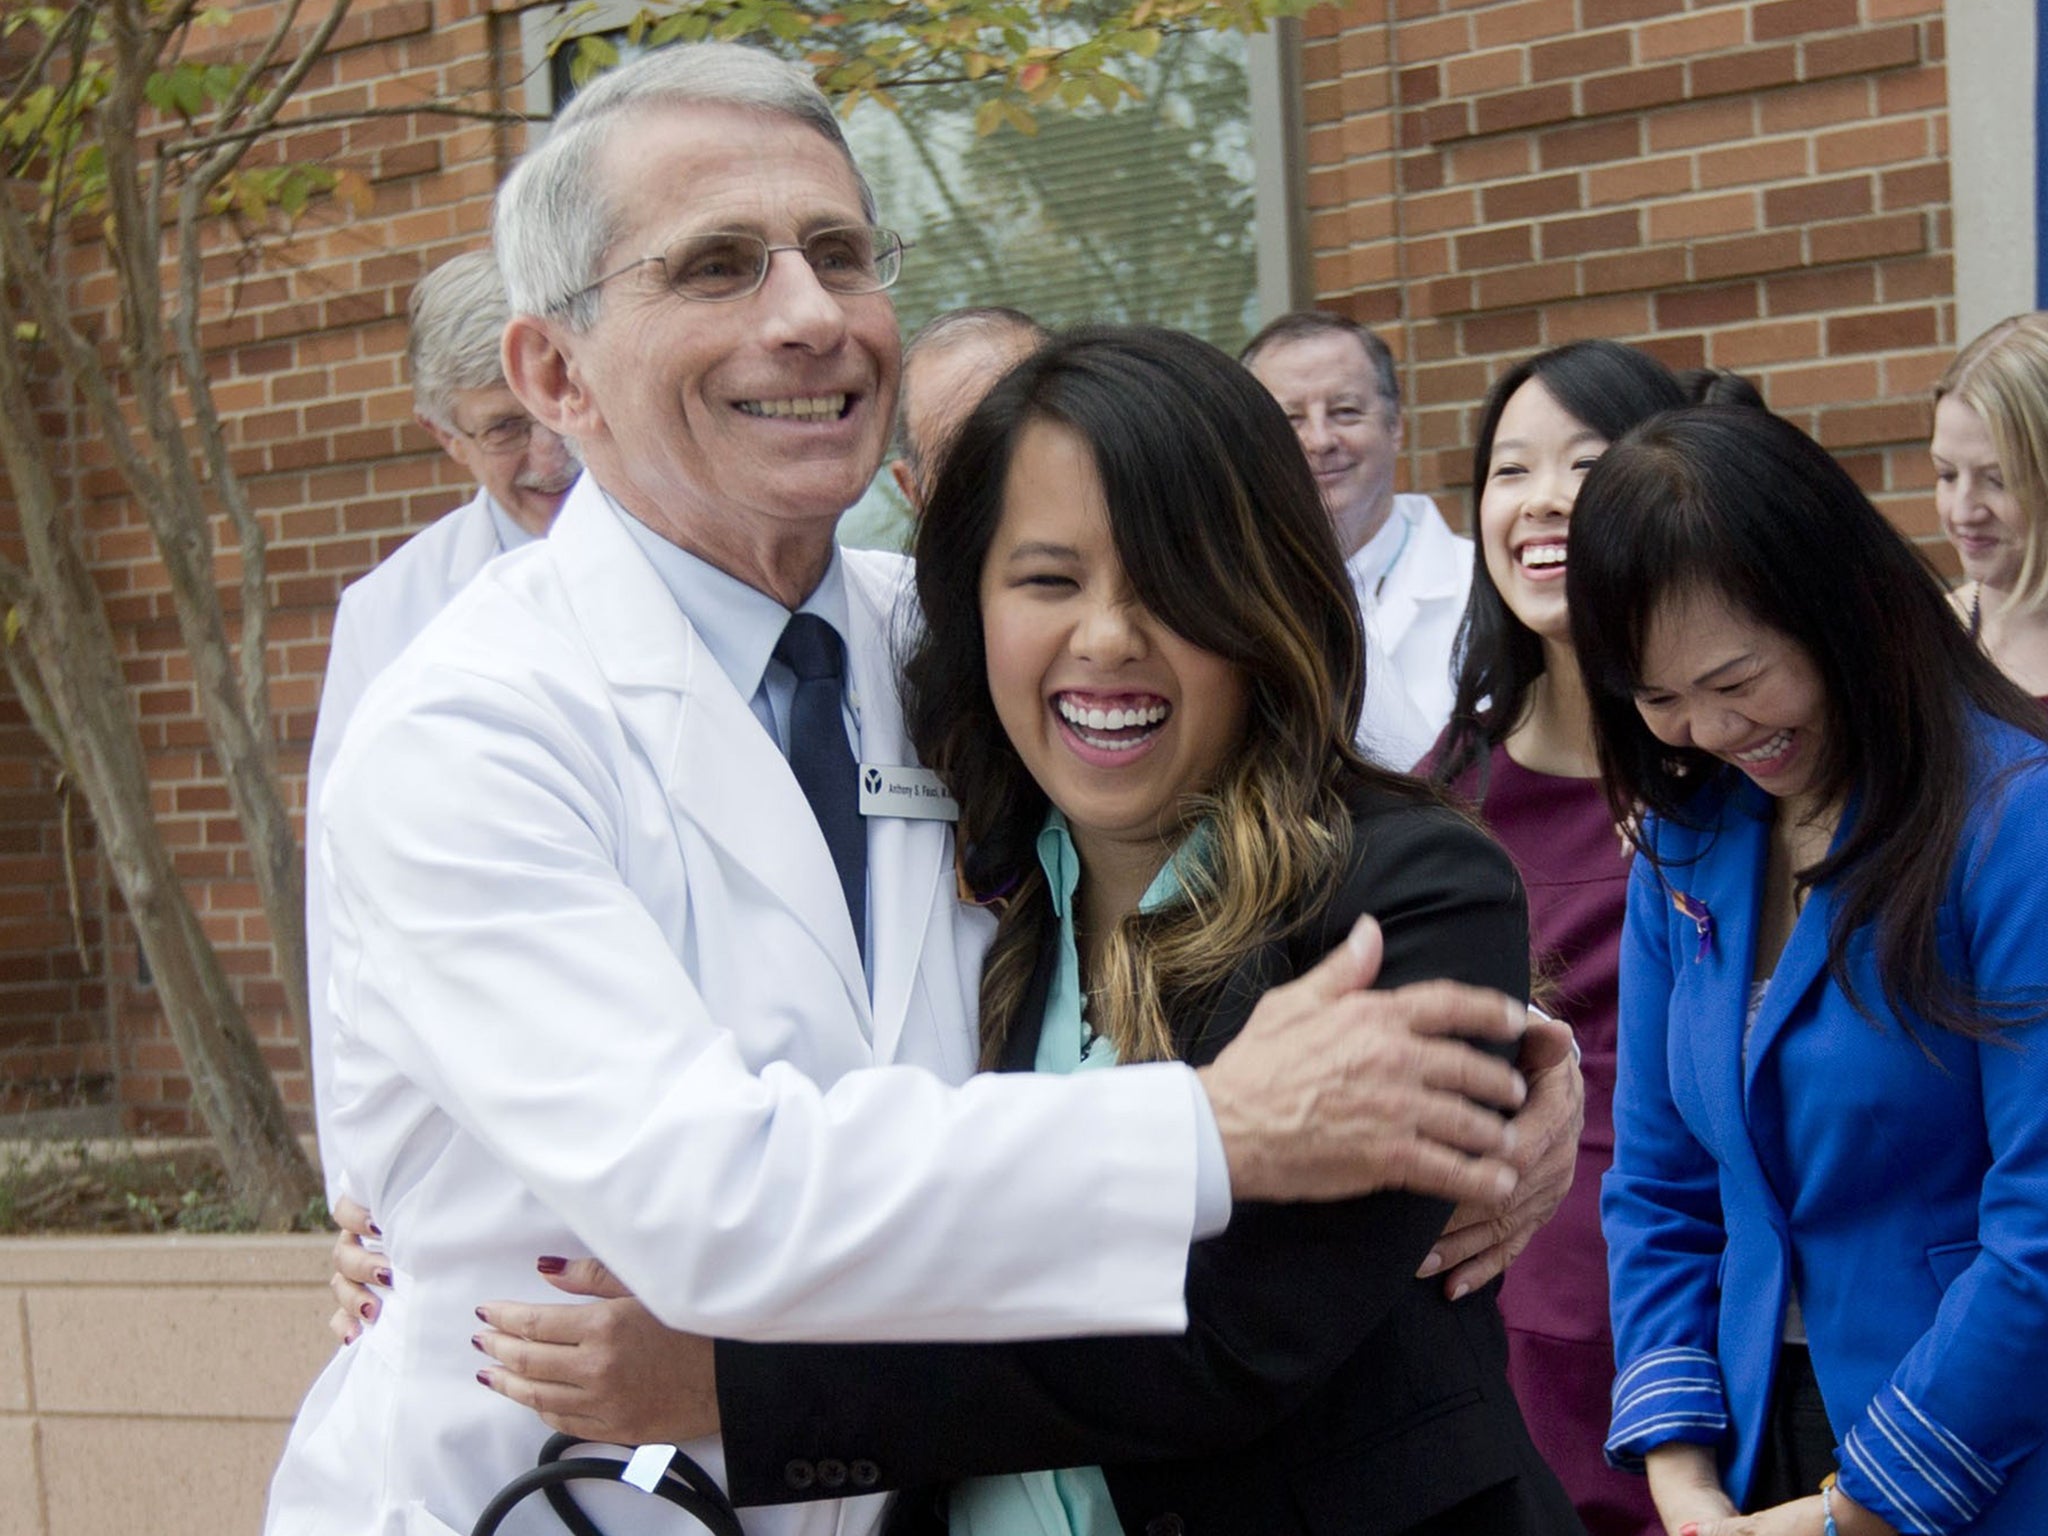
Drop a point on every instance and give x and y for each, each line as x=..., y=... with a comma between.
x=356, y=1269
x=1484, y=1237
x=1331, y=1090
x=605, y=1370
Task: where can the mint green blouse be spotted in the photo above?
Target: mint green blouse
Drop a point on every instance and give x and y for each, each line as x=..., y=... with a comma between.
x=1075, y=1500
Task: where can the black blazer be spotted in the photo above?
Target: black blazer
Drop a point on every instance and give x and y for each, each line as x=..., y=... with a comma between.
x=1320, y=1388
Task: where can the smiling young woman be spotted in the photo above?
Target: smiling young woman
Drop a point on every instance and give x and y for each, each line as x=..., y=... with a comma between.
x=1834, y=1005
x=1140, y=674
x=1990, y=451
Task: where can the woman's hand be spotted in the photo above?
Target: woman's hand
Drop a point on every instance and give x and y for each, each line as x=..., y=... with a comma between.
x=1685, y=1484
x=1801, y=1517
x=356, y=1269
x=1484, y=1237
x=606, y=1370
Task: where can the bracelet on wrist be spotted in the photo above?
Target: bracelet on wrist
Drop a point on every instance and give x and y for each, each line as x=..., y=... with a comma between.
x=1827, y=1507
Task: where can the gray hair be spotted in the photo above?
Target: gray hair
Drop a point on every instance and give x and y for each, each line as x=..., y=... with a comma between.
x=554, y=222
x=457, y=315
x=945, y=330
x=1305, y=323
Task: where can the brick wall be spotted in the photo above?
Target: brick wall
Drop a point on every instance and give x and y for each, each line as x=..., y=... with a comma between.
x=1751, y=184
x=1756, y=184
x=307, y=351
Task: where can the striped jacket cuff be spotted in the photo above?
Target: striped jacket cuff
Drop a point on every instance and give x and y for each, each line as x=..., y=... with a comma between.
x=1900, y=1463
x=1666, y=1395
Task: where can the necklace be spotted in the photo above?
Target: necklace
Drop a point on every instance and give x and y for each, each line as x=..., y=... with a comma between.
x=1977, y=610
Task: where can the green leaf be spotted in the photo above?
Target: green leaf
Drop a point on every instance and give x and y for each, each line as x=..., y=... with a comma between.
x=10, y=628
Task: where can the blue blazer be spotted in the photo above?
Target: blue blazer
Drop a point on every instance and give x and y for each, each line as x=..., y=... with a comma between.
x=1899, y=1184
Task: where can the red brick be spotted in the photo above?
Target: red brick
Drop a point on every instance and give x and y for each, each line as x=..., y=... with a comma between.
x=1855, y=426
x=1707, y=306
x=1725, y=214
x=1885, y=143
x=1590, y=143
x=1774, y=341
x=1590, y=54
x=1745, y=255
x=1513, y=331
x=1494, y=247
x=1860, y=53
x=1793, y=18
x=1524, y=22
x=1535, y=284
x=1759, y=69
x=1529, y=199
x=1793, y=293
x=1913, y=186
x=1898, y=234
x=1638, y=270
x=1522, y=109
x=1844, y=198
x=1633, y=90
x=1882, y=331
x=1592, y=232
x=1607, y=13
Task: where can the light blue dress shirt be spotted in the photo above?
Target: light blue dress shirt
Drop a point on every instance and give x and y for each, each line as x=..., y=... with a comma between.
x=510, y=535
x=1074, y=1501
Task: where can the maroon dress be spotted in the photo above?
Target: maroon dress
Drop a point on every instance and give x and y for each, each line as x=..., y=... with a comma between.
x=1561, y=836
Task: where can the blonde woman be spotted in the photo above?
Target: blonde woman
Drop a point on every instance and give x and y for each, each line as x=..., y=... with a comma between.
x=1990, y=453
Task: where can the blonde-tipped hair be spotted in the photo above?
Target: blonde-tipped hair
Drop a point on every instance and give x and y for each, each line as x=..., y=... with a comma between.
x=2003, y=377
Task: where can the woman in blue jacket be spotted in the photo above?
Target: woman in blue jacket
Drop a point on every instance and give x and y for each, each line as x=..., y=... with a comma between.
x=1828, y=1212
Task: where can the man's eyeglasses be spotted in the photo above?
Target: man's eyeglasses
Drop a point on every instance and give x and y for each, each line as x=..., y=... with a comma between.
x=508, y=434
x=723, y=265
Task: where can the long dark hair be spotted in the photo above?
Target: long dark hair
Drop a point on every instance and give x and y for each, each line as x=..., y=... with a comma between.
x=1741, y=505
x=1607, y=387
x=1221, y=533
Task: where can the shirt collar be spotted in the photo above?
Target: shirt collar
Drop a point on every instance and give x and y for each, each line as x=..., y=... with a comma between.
x=510, y=535
x=1376, y=556
x=1061, y=862
x=738, y=624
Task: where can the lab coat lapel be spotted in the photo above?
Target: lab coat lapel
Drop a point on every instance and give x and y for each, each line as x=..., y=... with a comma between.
x=723, y=772
x=474, y=544
x=906, y=857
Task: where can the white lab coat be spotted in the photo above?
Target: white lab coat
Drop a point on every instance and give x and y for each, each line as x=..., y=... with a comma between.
x=595, y=990
x=378, y=617
x=1415, y=615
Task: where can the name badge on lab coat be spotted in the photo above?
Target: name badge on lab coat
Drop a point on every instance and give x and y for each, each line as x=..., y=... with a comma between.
x=914, y=792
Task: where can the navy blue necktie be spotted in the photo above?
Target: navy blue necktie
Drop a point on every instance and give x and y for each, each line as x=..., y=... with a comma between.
x=822, y=760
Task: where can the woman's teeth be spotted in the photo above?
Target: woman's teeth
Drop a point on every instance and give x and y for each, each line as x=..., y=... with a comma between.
x=1111, y=719
x=1543, y=554
x=1089, y=721
x=1767, y=751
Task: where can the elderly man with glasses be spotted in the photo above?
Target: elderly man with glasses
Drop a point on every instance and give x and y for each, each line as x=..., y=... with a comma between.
x=523, y=473
x=646, y=937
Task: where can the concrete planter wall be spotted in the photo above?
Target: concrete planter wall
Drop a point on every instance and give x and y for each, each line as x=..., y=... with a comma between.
x=146, y=1383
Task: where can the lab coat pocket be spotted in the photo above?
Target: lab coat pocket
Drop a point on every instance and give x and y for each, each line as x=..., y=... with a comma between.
x=419, y=1521
x=1949, y=1260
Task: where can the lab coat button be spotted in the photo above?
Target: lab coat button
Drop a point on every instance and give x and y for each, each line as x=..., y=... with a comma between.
x=865, y=1474
x=832, y=1473
x=799, y=1475
x=1166, y=1525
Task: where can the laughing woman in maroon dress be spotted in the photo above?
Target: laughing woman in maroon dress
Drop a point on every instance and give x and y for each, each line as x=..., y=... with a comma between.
x=1520, y=745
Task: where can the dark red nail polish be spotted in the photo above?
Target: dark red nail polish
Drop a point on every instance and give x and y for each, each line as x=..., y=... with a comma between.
x=549, y=1264
x=476, y=1342
x=374, y=1229
x=483, y=1378
x=367, y=1311
x=384, y=1278
x=347, y=1339
x=480, y=1316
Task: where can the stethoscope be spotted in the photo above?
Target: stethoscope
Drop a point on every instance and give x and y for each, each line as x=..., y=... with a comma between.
x=659, y=1470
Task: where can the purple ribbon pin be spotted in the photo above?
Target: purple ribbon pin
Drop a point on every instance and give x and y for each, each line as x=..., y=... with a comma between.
x=1702, y=921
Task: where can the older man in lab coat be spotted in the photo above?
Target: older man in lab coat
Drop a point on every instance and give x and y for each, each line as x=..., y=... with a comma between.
x=608, y=978
x=523, y=473
x=1337, y=383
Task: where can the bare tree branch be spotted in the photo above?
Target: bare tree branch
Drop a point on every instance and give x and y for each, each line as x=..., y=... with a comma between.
x=495, y=115
x=264, y=113
x=246, y=86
